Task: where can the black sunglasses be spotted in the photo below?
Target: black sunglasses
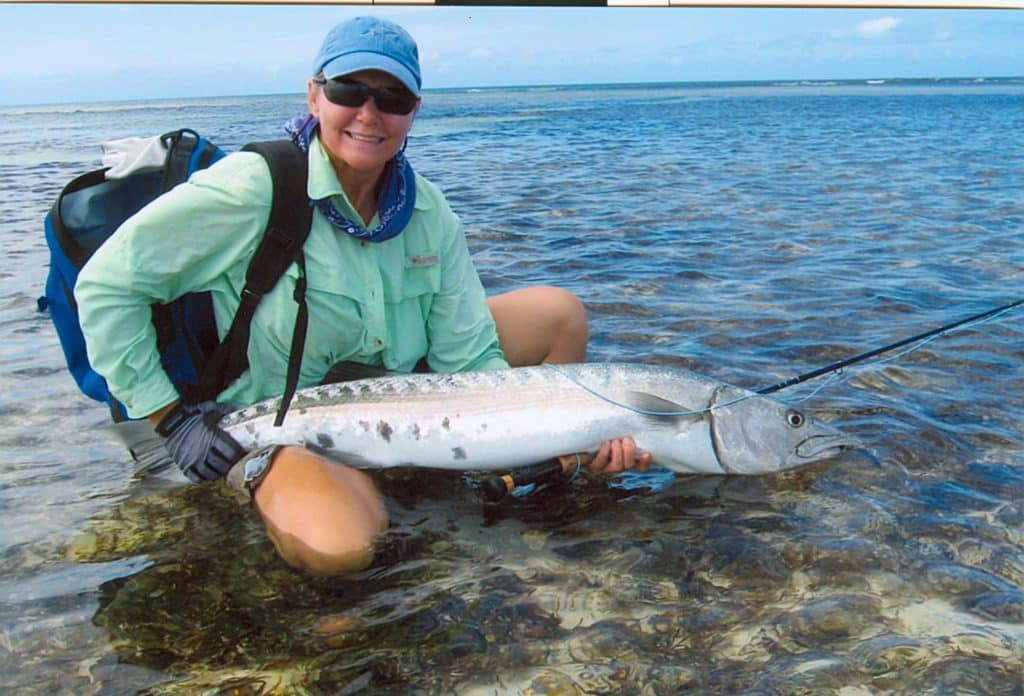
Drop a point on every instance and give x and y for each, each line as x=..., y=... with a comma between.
x=355, y=94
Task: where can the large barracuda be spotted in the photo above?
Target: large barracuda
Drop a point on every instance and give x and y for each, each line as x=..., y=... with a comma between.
x=502, y=419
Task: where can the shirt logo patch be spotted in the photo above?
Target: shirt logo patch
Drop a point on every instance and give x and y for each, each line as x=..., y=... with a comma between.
x=425, y=260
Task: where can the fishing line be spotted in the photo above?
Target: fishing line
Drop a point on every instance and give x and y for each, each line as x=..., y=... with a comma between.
x=636, y=409
x=834, y=370
x=829, y=381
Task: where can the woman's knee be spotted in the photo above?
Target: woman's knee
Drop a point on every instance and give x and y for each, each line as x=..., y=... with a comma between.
x=571, y=320
x=541, y=324
x=323, y=517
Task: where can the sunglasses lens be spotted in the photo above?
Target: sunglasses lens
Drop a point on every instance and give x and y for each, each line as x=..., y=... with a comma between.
x=355, y=94
x=346, y=93
x=394, y=102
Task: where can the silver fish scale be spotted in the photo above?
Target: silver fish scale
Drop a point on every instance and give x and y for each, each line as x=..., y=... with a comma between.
x=503, y=418
x=602, y=378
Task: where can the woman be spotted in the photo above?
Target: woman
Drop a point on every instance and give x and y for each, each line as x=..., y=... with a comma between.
x=390, y=282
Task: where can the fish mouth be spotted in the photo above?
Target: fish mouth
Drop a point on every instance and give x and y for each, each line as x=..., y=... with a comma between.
x=818, y=447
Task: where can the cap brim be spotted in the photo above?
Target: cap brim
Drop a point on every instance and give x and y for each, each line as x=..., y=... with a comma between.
x=354, y=62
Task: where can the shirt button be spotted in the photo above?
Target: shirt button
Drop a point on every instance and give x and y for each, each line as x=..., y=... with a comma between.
x=377, y=342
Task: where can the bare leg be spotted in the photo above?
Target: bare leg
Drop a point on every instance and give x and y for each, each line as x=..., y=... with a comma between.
x=322, y=517
x=540, y=324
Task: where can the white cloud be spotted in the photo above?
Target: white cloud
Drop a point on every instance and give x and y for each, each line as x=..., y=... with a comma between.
x=877, y=27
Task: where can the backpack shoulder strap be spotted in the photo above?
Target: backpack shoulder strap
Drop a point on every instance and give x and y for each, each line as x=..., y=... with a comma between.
x=287, y=229
x=290, y=214
x=186, y=152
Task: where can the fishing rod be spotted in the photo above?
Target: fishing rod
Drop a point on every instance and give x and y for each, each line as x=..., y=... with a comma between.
x=552, y=471
x=497, y=487
x=840, y=364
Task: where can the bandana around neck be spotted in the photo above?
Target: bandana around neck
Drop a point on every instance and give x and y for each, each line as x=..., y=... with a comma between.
x=394, y=203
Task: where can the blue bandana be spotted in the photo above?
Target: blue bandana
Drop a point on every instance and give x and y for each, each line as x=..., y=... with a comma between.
x=394, y=203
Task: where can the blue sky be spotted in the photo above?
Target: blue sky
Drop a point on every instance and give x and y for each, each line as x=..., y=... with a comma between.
x=75, y=53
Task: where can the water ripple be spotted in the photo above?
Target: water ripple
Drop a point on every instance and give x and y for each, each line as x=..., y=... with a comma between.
x=751, y=233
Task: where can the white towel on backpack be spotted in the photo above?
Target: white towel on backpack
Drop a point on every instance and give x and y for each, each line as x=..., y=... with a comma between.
x=129, y=155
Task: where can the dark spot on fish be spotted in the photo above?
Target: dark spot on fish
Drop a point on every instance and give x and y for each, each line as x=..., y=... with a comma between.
x=416, y=431
x=325, y=440
x=446, y=424
x=384, y=430
x=458, y=453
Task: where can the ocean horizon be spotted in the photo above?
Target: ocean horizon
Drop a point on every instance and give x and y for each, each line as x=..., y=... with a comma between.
x=946, y=81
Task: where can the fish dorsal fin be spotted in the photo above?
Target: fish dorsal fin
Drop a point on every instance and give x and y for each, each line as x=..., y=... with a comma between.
x=658, y=411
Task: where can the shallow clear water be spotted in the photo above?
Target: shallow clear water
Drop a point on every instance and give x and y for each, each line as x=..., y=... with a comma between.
x=747, y=232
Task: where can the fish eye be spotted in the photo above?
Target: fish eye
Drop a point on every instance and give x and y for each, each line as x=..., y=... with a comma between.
x=795, y=419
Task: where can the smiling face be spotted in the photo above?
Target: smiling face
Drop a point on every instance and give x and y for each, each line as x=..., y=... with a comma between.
x=360, y=140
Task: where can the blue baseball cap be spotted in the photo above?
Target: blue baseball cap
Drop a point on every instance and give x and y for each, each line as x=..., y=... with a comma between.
x=370, y=43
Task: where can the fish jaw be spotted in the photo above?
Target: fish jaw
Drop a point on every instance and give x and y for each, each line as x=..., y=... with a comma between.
x=819, y=448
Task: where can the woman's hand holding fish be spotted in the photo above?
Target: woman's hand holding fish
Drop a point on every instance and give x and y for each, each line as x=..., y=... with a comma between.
x=615, y=456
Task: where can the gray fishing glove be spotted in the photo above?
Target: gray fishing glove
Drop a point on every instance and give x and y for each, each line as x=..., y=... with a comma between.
x=201, y=450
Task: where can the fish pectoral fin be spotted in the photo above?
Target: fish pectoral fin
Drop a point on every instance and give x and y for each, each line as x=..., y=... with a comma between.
x=659, y=412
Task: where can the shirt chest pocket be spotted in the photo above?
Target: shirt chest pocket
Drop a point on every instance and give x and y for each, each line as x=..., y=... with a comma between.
x=418, y=278
x=336, y=299
x=338, y=283
x=338, y=315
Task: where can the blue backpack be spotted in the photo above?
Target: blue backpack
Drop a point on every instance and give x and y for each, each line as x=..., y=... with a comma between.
x=91, y=207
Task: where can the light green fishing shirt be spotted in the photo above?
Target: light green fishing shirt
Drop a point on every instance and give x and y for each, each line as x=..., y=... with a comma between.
x=385, y=304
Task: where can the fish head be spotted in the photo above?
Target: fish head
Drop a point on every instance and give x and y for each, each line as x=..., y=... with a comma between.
x=759, y=435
